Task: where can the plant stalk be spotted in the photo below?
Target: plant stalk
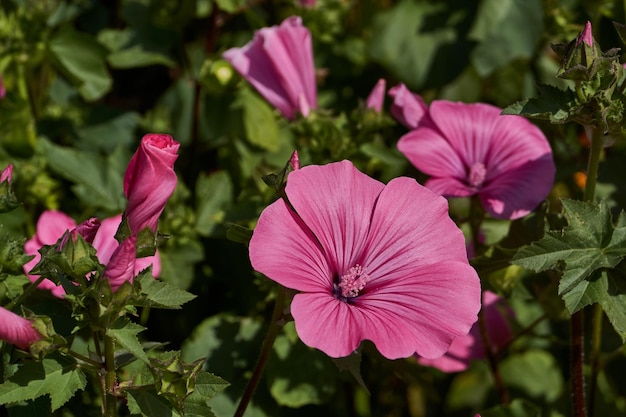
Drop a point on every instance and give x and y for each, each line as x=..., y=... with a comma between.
x=111, y=376
x=266, y=349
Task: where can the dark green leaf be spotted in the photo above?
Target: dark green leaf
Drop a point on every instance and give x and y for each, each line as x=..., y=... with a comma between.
x=56, y=376
x=160, y=294
x=553, y=104
x=125, y=333
x=213, y=196
x=535, y=372
x=259, y=121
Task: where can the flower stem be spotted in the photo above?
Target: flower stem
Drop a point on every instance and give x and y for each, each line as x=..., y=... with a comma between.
x=595, y=136
x=266, y=348
x=111, y=377
x=492, y=359
x=577, y=319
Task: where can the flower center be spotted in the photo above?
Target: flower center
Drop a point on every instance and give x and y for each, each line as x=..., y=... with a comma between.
x=351, y=283
x=477, y=174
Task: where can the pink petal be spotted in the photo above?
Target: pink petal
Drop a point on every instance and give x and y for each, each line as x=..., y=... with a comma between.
x=456, y=358
x=432, y=154
x=586, y=36
x=407, y=108
x=377, y=97
x=335, y=201
x=104, y=242
x=7, y=173
x=51, y=226
x=17, y=330
x=410, y=226
x=519, y=191
x=284, y=249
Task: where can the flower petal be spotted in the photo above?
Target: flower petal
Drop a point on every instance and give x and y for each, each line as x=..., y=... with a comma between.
x=432, y=154
x=335, y=201
x=285, y=250
x=407, y=108
x=519, y=191
x=17, y=330
x=51, y=226
x=410, y=226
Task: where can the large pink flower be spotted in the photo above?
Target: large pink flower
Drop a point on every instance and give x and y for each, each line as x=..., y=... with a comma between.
x=470, y=347
x=471, y=149
x=53, y=224
x=370, y=261
x=278, y=62
x=17, y=330
x=149, y=181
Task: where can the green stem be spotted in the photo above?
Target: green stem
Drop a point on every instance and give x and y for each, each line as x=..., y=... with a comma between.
x=85, y=359
x=266, y=349
x=577, y=319
x=111, y=377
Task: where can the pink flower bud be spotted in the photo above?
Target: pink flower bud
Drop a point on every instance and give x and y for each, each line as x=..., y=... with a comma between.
x=87, y=229
x=407, y=108
x=377, y=96
x=294, y=161
x=586, y=35
x=149, y=181
x=7, y=173
x=278, y=62
x=17, y=330
x=121, y=266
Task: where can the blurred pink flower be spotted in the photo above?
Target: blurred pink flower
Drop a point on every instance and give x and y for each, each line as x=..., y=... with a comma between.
x=7, y=174
x=370, y=261
x=3, y=90
x=307, y=3
x=407, y=108
x=471, y=149
x=149, y=181
x=470, y=347
x=278, y=62
x=377, y=97
x=17, y=330
x=53, y=224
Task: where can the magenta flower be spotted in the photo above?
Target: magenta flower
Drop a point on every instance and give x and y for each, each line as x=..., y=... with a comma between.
x=377, y=97
x=278, y=62
x=471, y=149
x=121, y=266
x=370, y=261
x=17, y=330
x=470, y=347
x=7, y=174
x=3, y=90
x=52, y=225
x=149, y=181
x=586, y=35
x=407, y=108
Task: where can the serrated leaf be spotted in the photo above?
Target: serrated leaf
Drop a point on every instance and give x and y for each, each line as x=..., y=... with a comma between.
x=213, y=195
x=56, y=376
x=553, y=104
x=588, y=244
x=148, y=403
x=125, y=333
x=160, y=294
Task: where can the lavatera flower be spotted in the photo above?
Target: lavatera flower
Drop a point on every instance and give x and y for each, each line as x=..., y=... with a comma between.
x=369, y=261
x=471, y=149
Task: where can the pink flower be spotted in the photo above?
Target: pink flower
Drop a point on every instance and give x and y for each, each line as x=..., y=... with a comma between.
x=3, y=90
x=370, y=261
x=278, y=62
x=470, y=149
x=407, y=108
x=149, y=181
x=377, y=97
x=7, y=174
x=53, y=224
x=470, y=347
x=307, y=3
x=17, y=330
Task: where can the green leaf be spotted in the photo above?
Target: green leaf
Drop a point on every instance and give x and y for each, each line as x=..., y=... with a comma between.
x=98, y=180
x=506, y=30
x=213, y=196
x=125, y=333
x=259, y=121
x=83, y=58
x=553, y=104
x=230, y=6
x=588, y=244
x=177, y=262
x=56, y=376
x=535, y=372
x=148, y=403
x=160, y=294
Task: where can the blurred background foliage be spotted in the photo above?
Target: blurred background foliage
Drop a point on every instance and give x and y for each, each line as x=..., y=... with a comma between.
x=85, y=79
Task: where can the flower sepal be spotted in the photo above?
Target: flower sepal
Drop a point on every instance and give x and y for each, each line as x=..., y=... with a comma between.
x=8, y=200
x=278, y=180
x=50, y=341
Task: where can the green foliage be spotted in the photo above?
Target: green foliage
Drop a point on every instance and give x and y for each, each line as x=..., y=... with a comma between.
x=56, y=376
x=160, y=294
